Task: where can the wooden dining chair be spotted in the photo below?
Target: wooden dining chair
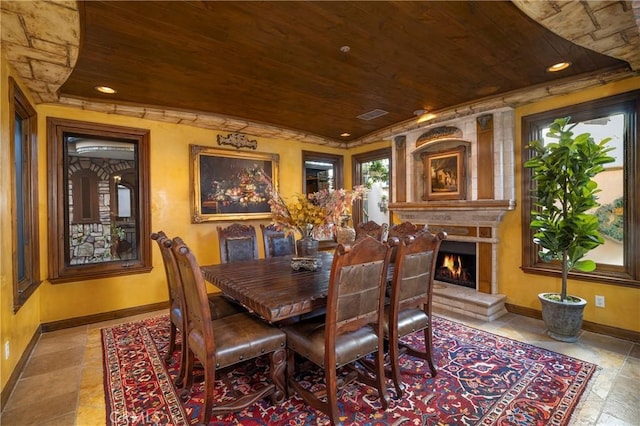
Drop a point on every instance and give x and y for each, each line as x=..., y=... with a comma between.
x=219, y=305
x=224, y=342
x=237, y=243
x=401, y=231
x=409, y=309
x=404, y=229
x=351, y=329
x=373, y=229
x=277, y=242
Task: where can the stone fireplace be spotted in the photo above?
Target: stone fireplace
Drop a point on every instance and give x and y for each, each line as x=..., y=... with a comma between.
x=476, y=154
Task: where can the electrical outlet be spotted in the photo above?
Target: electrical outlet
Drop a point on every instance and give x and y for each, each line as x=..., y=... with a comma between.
x=7, y=348
x=599, y=301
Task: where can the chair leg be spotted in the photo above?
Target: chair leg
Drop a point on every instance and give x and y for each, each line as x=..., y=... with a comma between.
x=179, y=382
x=172, y=343
x=188, y=375
x=428, y=344
x=381, y=379
x=331, y=383
x=395, y=363
x=209, y=382
x=427, y=355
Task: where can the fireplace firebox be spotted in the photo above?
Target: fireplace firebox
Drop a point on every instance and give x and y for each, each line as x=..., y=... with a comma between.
x=456, y=263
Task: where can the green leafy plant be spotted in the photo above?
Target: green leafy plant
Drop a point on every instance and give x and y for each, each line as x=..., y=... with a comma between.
x=611, y=220
x=564, y=194
x=377, y=172
x=118, y=233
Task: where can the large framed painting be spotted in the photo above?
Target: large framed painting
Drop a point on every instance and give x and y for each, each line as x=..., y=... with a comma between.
x=229, y=185
x=445, y=174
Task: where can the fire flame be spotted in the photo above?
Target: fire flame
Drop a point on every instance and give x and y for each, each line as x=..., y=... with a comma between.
x=454, y=264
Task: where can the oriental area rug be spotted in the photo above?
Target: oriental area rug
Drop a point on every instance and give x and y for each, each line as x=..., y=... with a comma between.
x=483, y=379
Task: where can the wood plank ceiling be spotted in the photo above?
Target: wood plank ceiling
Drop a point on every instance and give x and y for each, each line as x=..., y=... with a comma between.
x=282, y=63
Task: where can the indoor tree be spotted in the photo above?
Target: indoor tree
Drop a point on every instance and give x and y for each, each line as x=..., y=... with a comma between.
x=564, y=194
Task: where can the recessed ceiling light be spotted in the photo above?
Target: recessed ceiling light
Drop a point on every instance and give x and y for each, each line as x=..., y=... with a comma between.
x=559, y=66
x=106, y=89
x=426, y=117
x=345, y=49
x=345, y=134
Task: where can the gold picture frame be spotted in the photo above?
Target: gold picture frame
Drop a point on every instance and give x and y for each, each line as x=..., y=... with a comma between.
x=227, y=186
x=445, y=174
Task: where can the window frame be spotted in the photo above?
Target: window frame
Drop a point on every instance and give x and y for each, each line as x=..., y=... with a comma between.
x=59, y=270
x=628, y=104
x=335, y=159
x=357, y=161
x=24, y=287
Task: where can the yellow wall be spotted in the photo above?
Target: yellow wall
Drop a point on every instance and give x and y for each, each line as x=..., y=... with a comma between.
x=170, y=212
x=16, y=329
x=622, y=304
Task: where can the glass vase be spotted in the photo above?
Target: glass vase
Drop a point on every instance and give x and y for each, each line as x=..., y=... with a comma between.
x=307, y=247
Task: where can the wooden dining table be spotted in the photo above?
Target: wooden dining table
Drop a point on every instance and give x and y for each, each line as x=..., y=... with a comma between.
x=271, y=288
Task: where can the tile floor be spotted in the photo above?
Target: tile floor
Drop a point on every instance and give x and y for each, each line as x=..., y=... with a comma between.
x=62, y=382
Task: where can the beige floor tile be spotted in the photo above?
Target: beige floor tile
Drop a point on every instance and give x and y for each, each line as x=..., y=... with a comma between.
x=623, y=401
x=609, y=420
x=52, y=361
x=42, y=409
x=31, y=391
x=631, y=369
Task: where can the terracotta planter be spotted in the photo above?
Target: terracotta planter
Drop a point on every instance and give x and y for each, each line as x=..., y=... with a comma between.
x=562, y=319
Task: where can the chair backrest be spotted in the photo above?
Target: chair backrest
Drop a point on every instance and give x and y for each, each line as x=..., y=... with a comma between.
x=237, y=243
x=356, y=287
x=373, y=229
x=401, y=231
x=199, y=329
x=277, y=242
x=414, y=271
x=174, y=285
x=404, y=229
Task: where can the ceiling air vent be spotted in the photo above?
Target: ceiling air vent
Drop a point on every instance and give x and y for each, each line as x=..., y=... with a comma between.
x=373, y=114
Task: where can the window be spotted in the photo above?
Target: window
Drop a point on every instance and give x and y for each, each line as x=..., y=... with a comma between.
x=619, y=212
x=373, y=170
x=321, y=171
x=24, y=151
x=99, y=204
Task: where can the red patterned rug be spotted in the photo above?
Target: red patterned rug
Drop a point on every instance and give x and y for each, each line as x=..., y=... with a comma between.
x=483, y=379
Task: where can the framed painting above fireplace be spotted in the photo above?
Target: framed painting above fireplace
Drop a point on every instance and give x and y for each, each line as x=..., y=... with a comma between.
x=444, y=173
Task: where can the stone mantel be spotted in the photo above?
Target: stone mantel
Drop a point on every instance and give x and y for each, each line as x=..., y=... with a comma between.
x=454, y=212
x=454, y=205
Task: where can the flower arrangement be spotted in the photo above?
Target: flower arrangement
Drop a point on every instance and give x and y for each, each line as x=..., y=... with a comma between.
x=304, y=212
x=300, y=214
x=337, y=202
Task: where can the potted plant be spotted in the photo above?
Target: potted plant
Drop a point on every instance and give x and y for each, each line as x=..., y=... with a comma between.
x=563, y=225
